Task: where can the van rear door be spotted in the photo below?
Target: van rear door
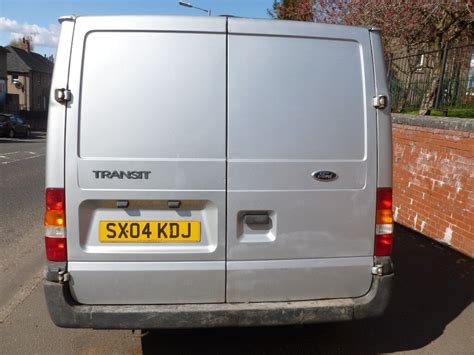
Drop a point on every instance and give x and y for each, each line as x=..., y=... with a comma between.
x=146, y=130
x=299, y=109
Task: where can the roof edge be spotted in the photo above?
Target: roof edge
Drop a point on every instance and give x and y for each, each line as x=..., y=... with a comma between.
x=67, y=18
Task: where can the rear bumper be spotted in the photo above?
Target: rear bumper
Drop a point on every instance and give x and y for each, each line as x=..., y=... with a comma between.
x=65, y=312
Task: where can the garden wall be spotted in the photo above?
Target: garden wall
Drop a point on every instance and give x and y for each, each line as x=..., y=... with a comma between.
x=433, y=178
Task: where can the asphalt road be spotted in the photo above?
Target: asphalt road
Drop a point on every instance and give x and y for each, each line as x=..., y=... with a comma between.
x=431, y=311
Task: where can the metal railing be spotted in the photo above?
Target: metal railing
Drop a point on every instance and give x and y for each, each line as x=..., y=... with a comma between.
x=411, y=76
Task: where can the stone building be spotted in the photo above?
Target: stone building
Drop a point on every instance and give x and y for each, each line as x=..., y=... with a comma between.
x=28, y=80
x=3, y=77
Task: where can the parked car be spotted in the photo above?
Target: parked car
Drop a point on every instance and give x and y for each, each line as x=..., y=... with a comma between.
x=255, y=191
x=13, y=126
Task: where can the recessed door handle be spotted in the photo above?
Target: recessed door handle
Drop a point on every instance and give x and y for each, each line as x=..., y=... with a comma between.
x=257, y=219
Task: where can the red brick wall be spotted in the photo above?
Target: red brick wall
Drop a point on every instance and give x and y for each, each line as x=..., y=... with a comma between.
x=433, y=179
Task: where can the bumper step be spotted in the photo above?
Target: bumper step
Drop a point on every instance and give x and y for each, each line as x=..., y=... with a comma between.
x=65, y=312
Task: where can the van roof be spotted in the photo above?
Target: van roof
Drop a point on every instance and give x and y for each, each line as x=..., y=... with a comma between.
x=201, y=18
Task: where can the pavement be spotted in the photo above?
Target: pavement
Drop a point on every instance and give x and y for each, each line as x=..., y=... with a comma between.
x=431, y=310
x=21, y=213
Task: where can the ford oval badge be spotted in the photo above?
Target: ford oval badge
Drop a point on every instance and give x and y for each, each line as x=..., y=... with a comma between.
x=324, y=175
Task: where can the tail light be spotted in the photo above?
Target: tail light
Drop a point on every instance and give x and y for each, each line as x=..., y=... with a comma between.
x=55, y=225
x=56, y=248
x=383, y=222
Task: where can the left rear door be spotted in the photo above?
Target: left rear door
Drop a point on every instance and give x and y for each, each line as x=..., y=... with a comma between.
x=146, y=127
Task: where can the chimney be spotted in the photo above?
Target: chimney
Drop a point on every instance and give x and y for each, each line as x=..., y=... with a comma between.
x=26, y=42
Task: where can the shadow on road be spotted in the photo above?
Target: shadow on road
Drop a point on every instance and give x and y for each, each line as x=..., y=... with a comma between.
x=432, y=287
x=35, y=137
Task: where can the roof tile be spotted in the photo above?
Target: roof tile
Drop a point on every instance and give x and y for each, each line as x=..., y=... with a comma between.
x=19, y=60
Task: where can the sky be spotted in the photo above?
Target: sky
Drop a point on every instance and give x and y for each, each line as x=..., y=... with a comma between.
x=39, y=18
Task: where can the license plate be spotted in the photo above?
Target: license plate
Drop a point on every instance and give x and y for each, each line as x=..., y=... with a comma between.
x=149, y=231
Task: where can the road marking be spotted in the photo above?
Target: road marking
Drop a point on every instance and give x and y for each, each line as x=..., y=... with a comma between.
x=19, y=297
x=4, y=155
x=14, y=161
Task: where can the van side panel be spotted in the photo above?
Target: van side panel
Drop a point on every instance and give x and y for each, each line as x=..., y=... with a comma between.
x=57, y=111
x=384, y=120
x=148, y=96
x=302, y=105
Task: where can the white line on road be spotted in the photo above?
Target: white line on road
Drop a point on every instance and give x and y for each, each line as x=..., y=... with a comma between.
x=19, y=297
x=4, y=154
x=14, y=161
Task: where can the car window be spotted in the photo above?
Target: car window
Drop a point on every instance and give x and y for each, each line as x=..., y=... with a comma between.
x=3, y=118
x=19, y=120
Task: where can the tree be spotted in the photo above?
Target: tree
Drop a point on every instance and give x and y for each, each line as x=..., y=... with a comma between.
x=412, y=24
x=298, y=10
x=25, y=43
x=406, y=25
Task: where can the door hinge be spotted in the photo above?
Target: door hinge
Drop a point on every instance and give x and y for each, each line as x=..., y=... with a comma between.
x=62, y=95
x=63, y=276
x=380, y=102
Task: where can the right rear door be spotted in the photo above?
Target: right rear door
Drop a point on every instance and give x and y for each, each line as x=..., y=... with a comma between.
x=299, y=102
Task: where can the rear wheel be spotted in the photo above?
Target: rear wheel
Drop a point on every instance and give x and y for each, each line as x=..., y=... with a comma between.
x=11, y=134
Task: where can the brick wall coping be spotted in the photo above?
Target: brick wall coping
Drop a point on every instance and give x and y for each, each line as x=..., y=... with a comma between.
x=448, y=123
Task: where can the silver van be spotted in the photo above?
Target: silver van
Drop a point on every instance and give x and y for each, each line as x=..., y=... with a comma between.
x=217, y=171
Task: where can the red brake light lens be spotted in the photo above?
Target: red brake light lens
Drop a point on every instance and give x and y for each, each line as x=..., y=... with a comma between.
x=383, y=244
x=384, y=198
x=55, y=199
x=56, y=249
